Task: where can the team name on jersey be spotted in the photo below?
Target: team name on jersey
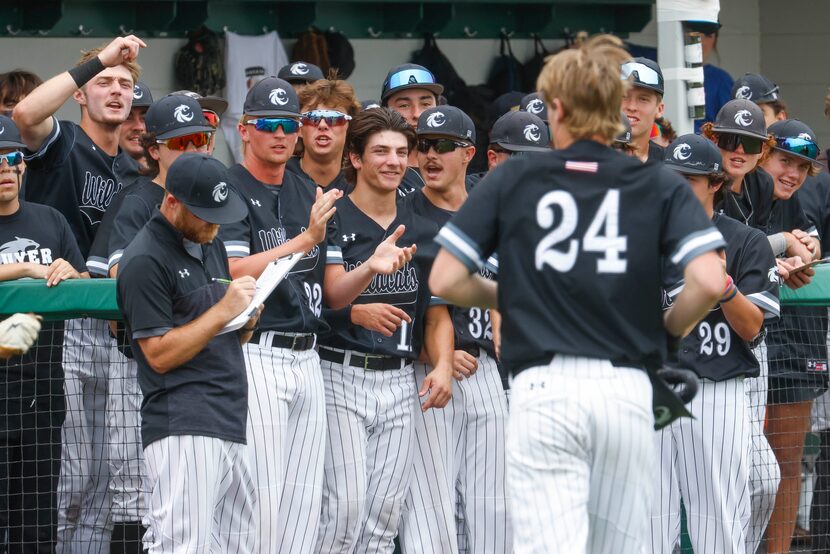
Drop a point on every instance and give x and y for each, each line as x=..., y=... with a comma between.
x=403, y=281
x=97, y=193
x=22, y=250
x=275, y=237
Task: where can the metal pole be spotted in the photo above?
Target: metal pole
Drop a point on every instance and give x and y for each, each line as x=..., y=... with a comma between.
x=670, y=54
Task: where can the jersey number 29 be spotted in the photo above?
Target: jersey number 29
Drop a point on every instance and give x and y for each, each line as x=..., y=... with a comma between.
x=610, y=244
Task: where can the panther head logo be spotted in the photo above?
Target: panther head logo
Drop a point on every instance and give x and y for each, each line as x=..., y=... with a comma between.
x=743, y=118
x=744, y=93
x=535, y=106
x=138, y=94
x=805, y=136
x=682, y=152
x=299, y=69
x=220, y=192
x=436, y=119
x=278, y=97
x=532, y=132
x=183, y=114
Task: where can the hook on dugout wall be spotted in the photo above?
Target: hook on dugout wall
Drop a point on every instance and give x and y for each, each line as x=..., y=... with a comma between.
x=469, y=33
x=374, y=34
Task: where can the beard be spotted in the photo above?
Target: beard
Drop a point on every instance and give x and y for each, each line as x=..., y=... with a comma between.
x=199, y=231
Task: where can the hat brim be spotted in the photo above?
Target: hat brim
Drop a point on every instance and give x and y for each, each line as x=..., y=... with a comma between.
x=522, y=147
x=11, y=144
x=142, y=103
x=234, y=210
x=687, y=170
x=655, y=88
x=742, y=132
x=182, y=131
x=273, y=113
x=816, y=163
x=214, y=104
x=434, y=88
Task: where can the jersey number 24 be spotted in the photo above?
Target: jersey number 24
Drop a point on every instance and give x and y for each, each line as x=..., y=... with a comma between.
x=607, y=219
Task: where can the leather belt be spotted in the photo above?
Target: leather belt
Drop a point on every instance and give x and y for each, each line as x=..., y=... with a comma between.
x=367, y=362
x=291, y=342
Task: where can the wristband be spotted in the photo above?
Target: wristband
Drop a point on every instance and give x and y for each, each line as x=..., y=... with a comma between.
x=82, y=74
x=730, y=292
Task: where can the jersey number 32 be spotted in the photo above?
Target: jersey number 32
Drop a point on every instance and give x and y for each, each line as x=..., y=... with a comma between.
x=607, y=220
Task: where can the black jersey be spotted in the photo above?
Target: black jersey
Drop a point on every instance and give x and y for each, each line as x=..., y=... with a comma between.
x=71, y=174
x=352, y=240
x=340, y=182
x=814, y=197
x=713, y=349
x=473, y=179
x=473, y=327
x=753, y=205
x=277, y=214
x=37, y=234
x=411, y=182
x=581, y=234
x=129, y=211
x=656, y=153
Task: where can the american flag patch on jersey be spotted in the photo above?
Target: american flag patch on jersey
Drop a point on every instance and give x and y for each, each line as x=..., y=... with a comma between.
x=817, y=366
x=585, y=167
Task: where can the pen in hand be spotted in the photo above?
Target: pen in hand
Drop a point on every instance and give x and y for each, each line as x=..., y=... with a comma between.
x=223, y=281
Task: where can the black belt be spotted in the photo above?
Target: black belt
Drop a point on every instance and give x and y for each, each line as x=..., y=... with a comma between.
x=363, y=361
x=291, y=342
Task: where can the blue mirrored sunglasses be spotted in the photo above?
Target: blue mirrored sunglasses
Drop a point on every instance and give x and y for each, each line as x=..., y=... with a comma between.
x=271, y=124
x=799, y=146
x=410, y=77
x=12, y=158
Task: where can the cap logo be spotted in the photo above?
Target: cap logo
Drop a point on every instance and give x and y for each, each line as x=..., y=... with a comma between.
x=744, y=93
x=715, y=166
x=436, y=119
x=805, y=136
x=220, y=192
x=371, y=106
x=138, y=94
x=743, y=118
x=535, y=106
x=299, y=69
x=412, y=80
x=532, y=132
x=2, y=129
x=682, y=152
x=183, y=114
x=278, y=97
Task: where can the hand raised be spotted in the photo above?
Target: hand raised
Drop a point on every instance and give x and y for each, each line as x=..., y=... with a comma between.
x=321, y=213
x=388, y=257
x=120, y=50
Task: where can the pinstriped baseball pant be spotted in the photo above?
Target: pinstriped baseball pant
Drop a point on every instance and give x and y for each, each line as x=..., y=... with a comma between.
x=202, y=498
x=460, y=451
x=580, y=458
x=286, y=444
x=705, y=461
x=368, y=457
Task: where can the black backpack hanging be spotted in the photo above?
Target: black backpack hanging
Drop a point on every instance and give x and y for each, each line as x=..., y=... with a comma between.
x=533, y=67
x=506, y=73
x=431, y=57
x=199, y=64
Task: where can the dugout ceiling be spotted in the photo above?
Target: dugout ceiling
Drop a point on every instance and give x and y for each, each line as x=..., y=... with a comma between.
x=355, y=18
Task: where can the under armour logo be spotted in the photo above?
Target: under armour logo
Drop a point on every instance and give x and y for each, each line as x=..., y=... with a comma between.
x=743, y=118
x=278, y=97
x=744, y=93
x=532, y=133
x=256, y=202
x=347, y=238
x=184, y=273
x=220, y=192
x=436, y=119
x=183, y=114
x=682, y=152
x=535, y=106
x=138, y=94
x=299, y=69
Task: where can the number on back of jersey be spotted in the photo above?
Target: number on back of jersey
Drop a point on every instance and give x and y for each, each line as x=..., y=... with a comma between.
x=602, y=235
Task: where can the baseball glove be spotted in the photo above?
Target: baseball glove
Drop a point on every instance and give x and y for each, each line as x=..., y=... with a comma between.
x=17, y=334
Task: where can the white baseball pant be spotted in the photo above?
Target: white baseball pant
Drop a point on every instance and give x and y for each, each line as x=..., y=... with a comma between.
x=286, y=443
x=580, y=458
x=202, y=499
x=368, y=456
x=460, y=452
x=705, y=462
x=84, y=500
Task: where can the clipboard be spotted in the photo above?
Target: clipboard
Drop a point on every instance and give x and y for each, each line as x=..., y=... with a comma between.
x=271, y=276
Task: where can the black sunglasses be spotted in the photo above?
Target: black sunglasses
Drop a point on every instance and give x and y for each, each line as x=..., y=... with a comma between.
x=730, y=142
x=441, y=145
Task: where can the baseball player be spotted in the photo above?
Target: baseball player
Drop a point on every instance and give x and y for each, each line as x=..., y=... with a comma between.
x=796, y=345
x=762, y=91
x=15, y=85
x=35, y=242
x=580, y=447
x=409, y=89
x=370, y=387
x=286, y=405
x=213, y=108
x=129, y=139
x=462, y=445
x=300, y=74
x=77, y=169
x=705, y=461
x=327, y=107
x=643, y=104
x=193, y=415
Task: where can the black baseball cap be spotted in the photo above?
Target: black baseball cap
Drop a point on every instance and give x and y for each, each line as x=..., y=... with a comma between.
x=796, y=138
x=507, y=102
x=202, y=184
x=213, y=103
x=741, y=117
x=534, y=103
x=369, y=104
x=272, y=97
x=759, y=89
x=406, y=76
x=643, y=73
x=9, y=134
x=142, y=97
x=694, y=155
x=175, y=116
x=447, y=121
x=520, y=132
x=300, y=72
x=625, y=136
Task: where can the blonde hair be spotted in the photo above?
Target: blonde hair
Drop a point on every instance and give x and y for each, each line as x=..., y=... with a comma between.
x=331, y=92
x=587, y=82
x=766, y=149
x=132, y=67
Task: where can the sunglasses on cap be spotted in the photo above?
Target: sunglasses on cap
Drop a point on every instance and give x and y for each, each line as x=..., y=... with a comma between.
x=641, y=72
x=212, y=118
x=410, y=77
x=730, y=142
x=799, y=146
x=180, y=143
x=440, y=145
x=332, y=118
x=271, y=124
x=12, y=158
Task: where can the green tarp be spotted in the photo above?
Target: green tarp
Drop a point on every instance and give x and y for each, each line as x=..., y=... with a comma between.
x=70, y=299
